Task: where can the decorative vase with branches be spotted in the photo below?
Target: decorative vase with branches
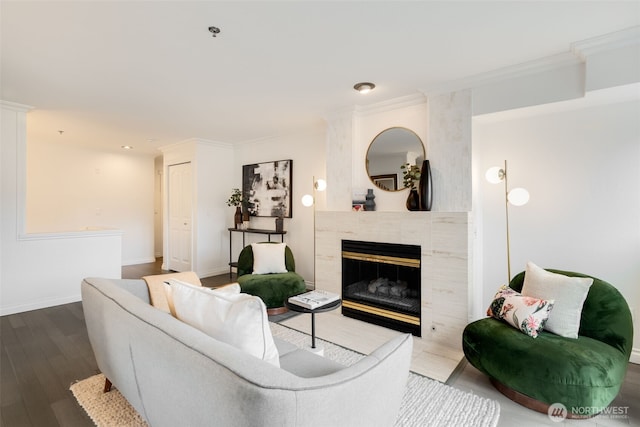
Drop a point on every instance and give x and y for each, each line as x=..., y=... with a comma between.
x=410, y=175
x=410, y=180
x=236, y=200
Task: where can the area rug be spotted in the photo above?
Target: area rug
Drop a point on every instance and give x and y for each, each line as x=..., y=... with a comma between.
x=426, y=402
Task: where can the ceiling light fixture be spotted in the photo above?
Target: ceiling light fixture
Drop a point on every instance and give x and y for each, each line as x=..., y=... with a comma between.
x=214, y=30
x=364, y=87
x=127, y=147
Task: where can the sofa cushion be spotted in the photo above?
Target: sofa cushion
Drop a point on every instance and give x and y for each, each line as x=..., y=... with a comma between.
x=268, y=258
x=237, y=319
x=155, y=284
x=230, y=289
x=305, y=364
x=524, y=313
x=568, y=293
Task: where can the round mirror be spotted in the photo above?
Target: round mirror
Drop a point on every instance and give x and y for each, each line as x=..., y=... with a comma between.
x=388, y=151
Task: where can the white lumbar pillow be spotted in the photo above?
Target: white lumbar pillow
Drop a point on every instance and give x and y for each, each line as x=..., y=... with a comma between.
x=268, y=258
x=569, y=294
x=235, y=318
x=230, y=289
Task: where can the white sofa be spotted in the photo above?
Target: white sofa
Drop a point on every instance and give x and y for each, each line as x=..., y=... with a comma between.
x=174, y=374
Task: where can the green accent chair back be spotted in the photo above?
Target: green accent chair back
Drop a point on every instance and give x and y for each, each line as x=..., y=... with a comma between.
x=584, y=374
x=274, y=288
x=245, y=260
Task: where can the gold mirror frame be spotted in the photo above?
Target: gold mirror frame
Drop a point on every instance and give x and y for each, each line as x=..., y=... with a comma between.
x=389, y=150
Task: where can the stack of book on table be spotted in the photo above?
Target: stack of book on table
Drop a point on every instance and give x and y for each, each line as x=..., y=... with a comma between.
x=314, y=299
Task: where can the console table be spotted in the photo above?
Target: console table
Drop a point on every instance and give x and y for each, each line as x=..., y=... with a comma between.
x=269, y=233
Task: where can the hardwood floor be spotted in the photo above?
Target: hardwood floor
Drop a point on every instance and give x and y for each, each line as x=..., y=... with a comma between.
x=44, y=351
x=140, y=270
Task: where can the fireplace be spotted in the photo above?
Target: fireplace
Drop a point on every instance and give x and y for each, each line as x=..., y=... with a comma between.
x=381, y=284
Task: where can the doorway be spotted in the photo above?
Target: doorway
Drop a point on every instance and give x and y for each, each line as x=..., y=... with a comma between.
x=180, y=203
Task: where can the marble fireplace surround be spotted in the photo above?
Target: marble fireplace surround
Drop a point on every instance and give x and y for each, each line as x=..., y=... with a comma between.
x=446, y=262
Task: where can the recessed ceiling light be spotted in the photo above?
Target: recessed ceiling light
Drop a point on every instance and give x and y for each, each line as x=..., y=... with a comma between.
x=214, y=30
x=364, y=87
x=127, y=147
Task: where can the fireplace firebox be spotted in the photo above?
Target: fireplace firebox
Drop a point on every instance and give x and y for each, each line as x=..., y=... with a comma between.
x=381, y=284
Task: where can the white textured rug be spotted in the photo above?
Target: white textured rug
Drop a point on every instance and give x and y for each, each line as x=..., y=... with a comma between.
x=426, y=403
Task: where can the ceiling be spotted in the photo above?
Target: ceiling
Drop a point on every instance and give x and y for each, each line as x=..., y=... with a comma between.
x=149, y=73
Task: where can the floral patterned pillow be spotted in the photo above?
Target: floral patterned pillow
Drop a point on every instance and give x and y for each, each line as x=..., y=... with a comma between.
x=528, y=314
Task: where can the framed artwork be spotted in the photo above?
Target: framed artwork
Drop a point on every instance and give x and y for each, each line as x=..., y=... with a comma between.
x=267, y=187
x=386, y=182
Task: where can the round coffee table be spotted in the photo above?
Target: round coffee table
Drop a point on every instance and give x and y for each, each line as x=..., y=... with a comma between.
x=327, y=307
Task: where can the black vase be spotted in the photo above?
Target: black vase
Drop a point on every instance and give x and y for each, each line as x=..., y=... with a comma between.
x=425, y=187
x=413, y=200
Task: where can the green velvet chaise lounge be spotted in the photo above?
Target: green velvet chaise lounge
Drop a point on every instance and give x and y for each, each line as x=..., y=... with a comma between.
x=273, y=288
x=583, y=374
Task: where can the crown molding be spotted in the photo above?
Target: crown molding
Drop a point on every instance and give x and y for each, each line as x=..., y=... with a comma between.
x=524, y=69
x=15, y=106
x=606, y=42
x=194, y=141
x=417, y=98
x=577, y=54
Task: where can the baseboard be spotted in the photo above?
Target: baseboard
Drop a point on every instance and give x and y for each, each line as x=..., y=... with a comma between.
x=138, y=261
x=635, y=356
x=215, y=272
x=36, y=305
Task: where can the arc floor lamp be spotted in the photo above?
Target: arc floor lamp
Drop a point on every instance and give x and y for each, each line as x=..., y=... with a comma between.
x=309, y=200
x=517, y=197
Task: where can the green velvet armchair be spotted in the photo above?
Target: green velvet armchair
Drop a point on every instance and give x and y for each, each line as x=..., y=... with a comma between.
x=273, y=288
x=583, y=374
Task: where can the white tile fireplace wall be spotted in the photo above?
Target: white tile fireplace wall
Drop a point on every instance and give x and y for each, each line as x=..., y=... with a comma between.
x=445, y=260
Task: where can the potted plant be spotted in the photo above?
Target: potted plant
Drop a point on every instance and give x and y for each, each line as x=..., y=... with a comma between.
x=410, y=179
x=236, y=200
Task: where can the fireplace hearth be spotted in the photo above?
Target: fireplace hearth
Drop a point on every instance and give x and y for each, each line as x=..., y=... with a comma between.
x=381, y=284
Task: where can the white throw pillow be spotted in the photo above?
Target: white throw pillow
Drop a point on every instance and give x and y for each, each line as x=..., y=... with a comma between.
x=268, y=258
x=569, y=294
x=231, y=289
x=237, y=319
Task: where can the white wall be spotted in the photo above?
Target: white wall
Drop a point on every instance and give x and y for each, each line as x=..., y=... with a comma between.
x=581, y=169
x=72, y=188
x=41, y=270
x=308, y=152
x=410, y=113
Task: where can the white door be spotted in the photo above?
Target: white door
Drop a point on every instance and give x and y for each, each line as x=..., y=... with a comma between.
x=180, y=213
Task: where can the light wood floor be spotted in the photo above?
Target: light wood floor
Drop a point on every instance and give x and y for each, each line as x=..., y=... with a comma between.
x=44, y=351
